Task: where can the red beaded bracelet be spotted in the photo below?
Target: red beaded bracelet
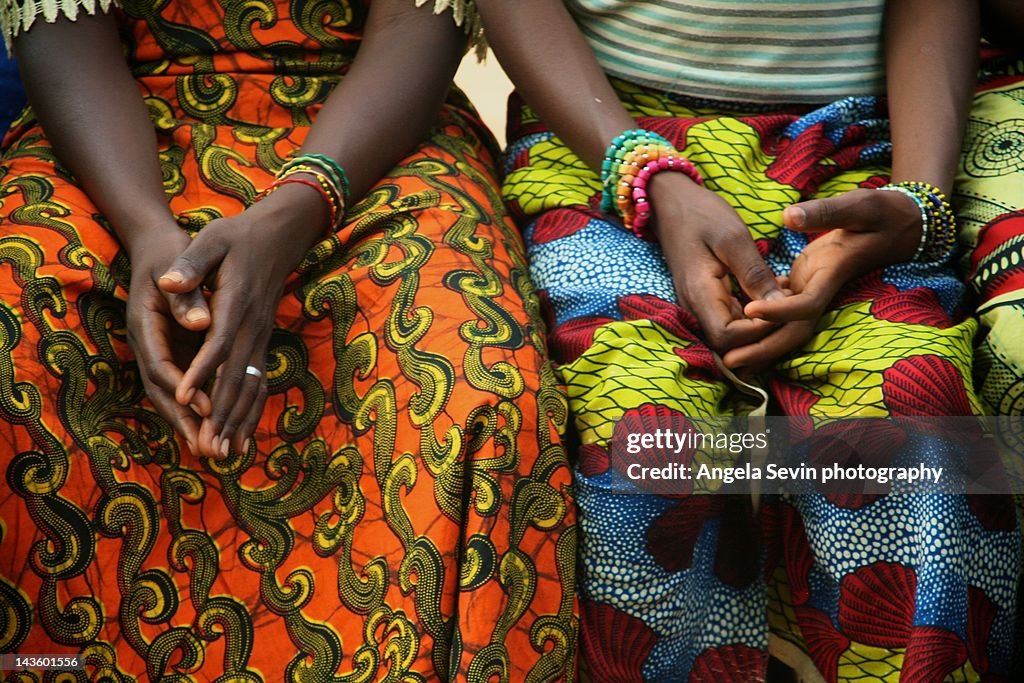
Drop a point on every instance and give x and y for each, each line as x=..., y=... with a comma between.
x=308, y=183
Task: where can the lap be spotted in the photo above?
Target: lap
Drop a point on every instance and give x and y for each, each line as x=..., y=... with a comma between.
x=892, y=343
x=410, y=445
x=990, y=207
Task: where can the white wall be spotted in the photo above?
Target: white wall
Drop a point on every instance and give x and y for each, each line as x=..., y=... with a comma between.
x=488, y=87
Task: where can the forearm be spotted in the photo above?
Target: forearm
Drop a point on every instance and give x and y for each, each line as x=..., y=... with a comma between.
x=931, y=54
x=90, y=107
x=554, y=69
x=391, y=96
x=379, y=112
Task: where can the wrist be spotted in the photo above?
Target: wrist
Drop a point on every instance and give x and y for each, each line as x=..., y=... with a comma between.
x=935, y=221
x=295, y=213
x=665, y=188
x=323, y=175
x=938, y=179
x=675, y=194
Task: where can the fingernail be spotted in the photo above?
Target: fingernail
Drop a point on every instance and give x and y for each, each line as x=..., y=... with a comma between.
x=189, y=394
x=196, y=409
x=774, y=295
x=797, y=216
x=195, y=315
x=173, y=276
x=247, y=445
x=225, y=447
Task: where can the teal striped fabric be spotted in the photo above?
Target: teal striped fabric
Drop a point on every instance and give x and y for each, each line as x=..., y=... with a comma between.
x=759, y=51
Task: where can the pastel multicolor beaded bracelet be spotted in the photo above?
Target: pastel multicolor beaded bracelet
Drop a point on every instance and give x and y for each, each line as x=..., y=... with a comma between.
x=615, y=161
x=938, y=223
x=633, y=157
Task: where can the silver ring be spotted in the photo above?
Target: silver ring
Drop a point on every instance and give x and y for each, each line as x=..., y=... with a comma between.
x=253, y=370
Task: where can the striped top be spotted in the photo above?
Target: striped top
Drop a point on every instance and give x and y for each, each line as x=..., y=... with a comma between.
x=758, y=51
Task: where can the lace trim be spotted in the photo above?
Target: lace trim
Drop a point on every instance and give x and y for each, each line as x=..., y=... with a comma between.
x=465, y=15
x=19, y=15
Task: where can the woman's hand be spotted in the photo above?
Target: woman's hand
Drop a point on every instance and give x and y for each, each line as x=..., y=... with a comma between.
x=244, y=261
x=867, y=229
x=380, y=111
x=164, y=330
x=704, y=241
x=930, y=51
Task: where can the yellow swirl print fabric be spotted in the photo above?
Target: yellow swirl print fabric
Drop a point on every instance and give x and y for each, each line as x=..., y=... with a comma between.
x=407, y=513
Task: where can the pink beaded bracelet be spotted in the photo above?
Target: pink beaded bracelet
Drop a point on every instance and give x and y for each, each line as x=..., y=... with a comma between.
x=638, y=188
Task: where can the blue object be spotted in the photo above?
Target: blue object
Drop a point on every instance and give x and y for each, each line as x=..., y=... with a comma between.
x=12, y=94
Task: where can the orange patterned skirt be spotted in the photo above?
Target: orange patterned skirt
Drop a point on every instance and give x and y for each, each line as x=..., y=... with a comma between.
x=408, y=513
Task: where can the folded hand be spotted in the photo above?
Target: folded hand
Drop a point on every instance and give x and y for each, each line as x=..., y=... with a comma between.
x=706, y=244
x=244, y=261
x=164, y=329
x=866, y=229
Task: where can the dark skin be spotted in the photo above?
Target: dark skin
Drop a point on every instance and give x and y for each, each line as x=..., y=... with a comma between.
x=552, y=66
x=89, y=104
x=930, y=69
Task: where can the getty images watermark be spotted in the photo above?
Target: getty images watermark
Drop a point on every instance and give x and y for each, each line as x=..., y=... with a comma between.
x=671, y=454
x=735, y=443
